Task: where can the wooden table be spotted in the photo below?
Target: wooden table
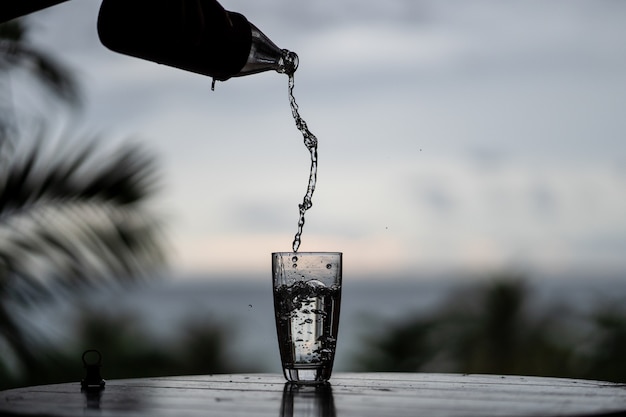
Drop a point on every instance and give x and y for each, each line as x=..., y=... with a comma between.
x=348, y=395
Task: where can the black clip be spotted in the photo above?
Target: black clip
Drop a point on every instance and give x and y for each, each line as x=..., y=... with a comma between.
x=93, y=380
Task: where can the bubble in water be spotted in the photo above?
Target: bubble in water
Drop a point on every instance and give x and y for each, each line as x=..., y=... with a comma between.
x=294, y=259
x=294, y=265
x=328, y=266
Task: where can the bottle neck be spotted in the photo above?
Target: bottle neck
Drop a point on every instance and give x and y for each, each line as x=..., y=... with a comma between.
x=265, y=55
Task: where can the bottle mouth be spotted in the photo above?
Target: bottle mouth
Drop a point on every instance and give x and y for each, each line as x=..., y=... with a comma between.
x=289, y=62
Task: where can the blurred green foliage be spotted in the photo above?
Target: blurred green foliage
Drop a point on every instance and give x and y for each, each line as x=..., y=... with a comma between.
x=128, y=350
x=492, y=328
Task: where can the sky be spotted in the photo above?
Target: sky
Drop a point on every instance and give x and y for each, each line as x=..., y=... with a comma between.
x=474, y=136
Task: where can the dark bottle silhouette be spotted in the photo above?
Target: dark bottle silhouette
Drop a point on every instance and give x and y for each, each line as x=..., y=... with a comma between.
x=193, y=35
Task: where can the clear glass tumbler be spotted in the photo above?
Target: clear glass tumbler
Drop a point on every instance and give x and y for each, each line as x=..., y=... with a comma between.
x=307, y=300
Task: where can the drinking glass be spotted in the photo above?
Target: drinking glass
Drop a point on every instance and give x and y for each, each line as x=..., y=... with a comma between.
x=307, y=300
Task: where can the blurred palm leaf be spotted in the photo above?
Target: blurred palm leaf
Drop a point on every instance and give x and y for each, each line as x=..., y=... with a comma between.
x=72, y=217
x=76, y=212
x=16, y=53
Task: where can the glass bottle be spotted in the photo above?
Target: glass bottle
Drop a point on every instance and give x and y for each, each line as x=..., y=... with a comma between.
x=193, y=35
x=265, y=55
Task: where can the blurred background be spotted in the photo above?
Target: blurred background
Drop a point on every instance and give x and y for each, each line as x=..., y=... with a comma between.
x=472, y=169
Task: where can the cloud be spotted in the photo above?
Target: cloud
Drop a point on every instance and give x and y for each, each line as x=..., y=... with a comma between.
x=438, y=198
x=465, y=134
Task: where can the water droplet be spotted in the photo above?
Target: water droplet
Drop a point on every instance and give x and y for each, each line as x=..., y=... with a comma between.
x=328, y=266
x=294, y=259
x=295, y=265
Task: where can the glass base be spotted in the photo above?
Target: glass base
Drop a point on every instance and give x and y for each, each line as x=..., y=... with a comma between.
x=307, y=376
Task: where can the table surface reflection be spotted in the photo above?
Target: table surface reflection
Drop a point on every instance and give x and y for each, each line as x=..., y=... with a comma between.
x=348, y=394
